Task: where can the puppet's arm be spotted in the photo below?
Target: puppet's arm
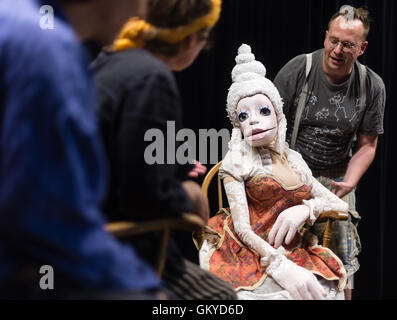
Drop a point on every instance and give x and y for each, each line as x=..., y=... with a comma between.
x=323, y=200
x=299, y=282
x=290, y=220
x=237, y=199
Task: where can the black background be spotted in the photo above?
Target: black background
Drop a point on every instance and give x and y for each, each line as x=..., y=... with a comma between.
x=278, y=30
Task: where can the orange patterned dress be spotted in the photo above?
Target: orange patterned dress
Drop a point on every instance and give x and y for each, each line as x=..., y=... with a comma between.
x=235, y=263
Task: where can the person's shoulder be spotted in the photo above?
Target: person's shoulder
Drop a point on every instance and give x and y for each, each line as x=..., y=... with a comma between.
x=131, y=61
x=302, y=58
x=290, y=72
x=298, y=59
x=296, y=65
x=23, y=26
x=375, y=79
x=23, y=39
x=130, y=67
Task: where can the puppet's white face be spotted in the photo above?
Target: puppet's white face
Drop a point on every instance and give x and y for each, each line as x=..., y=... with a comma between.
x=258, y=120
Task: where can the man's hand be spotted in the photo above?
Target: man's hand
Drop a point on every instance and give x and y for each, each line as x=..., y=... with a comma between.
x=341, y=188
x=358, y=165
x=201, y=206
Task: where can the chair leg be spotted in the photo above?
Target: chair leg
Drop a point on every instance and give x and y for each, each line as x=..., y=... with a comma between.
x=161, y=258
x=327, y=234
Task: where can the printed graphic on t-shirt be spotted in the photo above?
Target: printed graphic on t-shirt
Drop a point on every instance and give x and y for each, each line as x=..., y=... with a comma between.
x=326, y=126
x=356, y=114
x=337, y=101
x=311, y=103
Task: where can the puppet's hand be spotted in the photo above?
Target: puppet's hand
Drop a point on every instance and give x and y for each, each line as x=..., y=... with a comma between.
x=287, y=225
x=299, y=282
x=197, y=171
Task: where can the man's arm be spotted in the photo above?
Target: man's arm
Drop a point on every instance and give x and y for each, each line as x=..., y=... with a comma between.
x=358, y=165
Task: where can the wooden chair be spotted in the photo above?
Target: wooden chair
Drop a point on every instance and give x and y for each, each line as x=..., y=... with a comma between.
x=328, y=216
x=126, y=229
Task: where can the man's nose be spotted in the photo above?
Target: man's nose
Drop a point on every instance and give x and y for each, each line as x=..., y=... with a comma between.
x=339, y=48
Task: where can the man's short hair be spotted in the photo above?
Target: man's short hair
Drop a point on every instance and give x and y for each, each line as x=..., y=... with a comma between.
x=361, y=14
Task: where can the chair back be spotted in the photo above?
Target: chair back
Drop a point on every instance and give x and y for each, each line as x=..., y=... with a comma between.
x=207, y=181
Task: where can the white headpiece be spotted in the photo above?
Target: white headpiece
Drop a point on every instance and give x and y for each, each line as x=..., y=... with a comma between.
x=249, y=79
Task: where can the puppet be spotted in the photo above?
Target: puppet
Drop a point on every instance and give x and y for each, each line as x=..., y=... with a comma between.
x=258, y=246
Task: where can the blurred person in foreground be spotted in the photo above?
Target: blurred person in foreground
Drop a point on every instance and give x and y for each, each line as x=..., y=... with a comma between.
x=53, y=172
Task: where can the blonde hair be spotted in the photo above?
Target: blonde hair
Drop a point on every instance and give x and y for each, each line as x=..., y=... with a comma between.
x=136, y=33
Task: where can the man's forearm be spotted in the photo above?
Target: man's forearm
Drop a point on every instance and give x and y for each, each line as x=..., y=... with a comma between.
x=361, y=160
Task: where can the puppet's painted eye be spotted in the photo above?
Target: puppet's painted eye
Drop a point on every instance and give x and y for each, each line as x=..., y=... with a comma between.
x=243, y=116
x=265, y=111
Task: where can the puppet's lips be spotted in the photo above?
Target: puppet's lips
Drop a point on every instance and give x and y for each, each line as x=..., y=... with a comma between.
x=256, y=132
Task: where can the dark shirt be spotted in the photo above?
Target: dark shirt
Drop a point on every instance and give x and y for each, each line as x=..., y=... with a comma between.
x=138, y=93
x=52, y=165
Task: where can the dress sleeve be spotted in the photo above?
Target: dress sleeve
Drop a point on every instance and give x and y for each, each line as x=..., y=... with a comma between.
x=237, y=198
x=323, y=200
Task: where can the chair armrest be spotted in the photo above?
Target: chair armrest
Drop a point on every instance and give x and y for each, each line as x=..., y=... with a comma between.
x=333, y=215
x=123, y=229
x=329, y=217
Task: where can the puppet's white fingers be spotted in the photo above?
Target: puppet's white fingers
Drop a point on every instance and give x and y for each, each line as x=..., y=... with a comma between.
x=304, y=292
x=273, y=232
x=291, y=234
x=282, y=231
x=295, y=294
x=317, y=291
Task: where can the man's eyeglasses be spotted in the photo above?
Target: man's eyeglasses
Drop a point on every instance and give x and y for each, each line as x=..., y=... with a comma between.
x=346, y=45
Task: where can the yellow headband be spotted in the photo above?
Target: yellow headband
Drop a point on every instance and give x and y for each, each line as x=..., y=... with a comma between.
x=137, y=31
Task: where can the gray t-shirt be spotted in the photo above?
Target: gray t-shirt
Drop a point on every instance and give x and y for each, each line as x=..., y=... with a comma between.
x=332, y=112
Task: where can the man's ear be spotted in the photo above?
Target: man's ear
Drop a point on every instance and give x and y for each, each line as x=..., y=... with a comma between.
x=363, y=48
x=325, y=38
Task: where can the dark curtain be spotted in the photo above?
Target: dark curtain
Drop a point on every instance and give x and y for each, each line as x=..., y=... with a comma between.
x=278, y=30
